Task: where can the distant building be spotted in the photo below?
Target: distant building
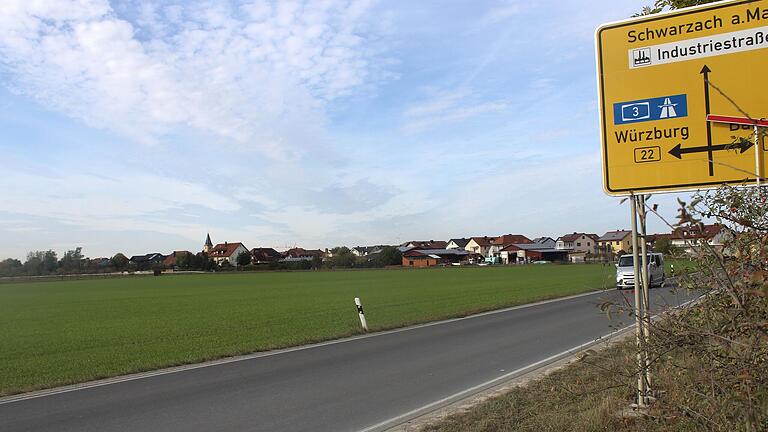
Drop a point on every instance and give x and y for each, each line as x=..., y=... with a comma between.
x=544, y=239
x=264, y=255
x=479, y=245
x=433, y=257
x=301, y=254
x=170, y=260
x=457, y=243
x=688, y=238
x=490, y=247
x=425, y=244
x=363, y=251
x=146, y=261
x=613, y=242
x=208, y=245
x=100, y=262
x=578, y=242
x=500, y=242
x=651, y=239
x=227, y=252
x=541, y=250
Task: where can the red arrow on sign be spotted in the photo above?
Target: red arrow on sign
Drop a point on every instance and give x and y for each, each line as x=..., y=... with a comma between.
x=736, y=120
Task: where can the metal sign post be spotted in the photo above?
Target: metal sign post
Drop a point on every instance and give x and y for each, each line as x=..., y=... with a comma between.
x=646, y=296
x=758, y=171
x=642, y=299
x=639, y=313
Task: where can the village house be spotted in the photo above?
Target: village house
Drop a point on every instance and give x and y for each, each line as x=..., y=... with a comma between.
x=479, y=245
x=579, y=242
x=578, y=245
x=363, y=251
x=264, y=255
x=301, y=254
x=170, y=260
x=688, y=238
x=227, y=252
x=146, y=261
x=545, y=240
x=652, y=239
x=500, y=242
x=457, y=243
x=613, y=242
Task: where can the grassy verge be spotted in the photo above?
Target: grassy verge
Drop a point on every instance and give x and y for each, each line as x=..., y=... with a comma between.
x=594, y=394
x=588, y=396
x=55, y=333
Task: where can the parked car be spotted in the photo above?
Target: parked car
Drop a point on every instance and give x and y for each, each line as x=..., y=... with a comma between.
x=625, y=271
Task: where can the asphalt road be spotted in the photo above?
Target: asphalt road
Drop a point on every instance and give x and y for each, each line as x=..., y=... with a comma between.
x=346, y=386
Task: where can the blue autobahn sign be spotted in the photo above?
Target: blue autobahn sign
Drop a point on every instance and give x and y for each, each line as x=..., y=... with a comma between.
x=659, y=108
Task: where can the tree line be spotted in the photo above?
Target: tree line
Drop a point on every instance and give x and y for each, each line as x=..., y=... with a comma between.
x=44, y=263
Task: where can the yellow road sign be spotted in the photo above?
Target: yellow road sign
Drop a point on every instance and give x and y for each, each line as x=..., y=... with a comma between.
x=659, y=76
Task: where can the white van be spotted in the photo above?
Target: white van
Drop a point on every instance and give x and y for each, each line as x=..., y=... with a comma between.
x=625, y=271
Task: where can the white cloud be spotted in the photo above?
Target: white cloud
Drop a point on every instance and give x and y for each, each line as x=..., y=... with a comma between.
x=501, y=13
x=247, y=74
x=104, y=201
x=447, y=107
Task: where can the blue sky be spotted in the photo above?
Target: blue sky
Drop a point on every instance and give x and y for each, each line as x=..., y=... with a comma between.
x=140, y=126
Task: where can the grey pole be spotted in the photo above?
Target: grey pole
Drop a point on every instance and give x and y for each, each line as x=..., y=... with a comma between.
x=757, y=156
x=638, y=312
x=646, y=297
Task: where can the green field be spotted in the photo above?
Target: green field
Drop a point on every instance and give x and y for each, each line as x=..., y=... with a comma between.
x=55, y=333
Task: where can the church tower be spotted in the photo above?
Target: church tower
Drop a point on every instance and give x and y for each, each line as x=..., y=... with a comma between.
x=208, y=245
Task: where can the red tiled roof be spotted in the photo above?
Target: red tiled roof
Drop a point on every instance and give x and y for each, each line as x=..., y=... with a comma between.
x=224, y=250
x=697, y=232
x=301, y=252
x=265, y=254
x=170, y=260
x=509, y=239
x=482, y=241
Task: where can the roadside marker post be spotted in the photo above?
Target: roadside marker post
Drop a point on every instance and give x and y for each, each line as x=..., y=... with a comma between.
x=360, y=313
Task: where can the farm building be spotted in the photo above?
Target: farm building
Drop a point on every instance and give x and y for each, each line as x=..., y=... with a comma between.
x=433, y=257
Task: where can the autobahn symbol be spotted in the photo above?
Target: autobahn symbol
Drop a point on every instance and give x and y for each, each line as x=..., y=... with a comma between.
x=668, y=109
